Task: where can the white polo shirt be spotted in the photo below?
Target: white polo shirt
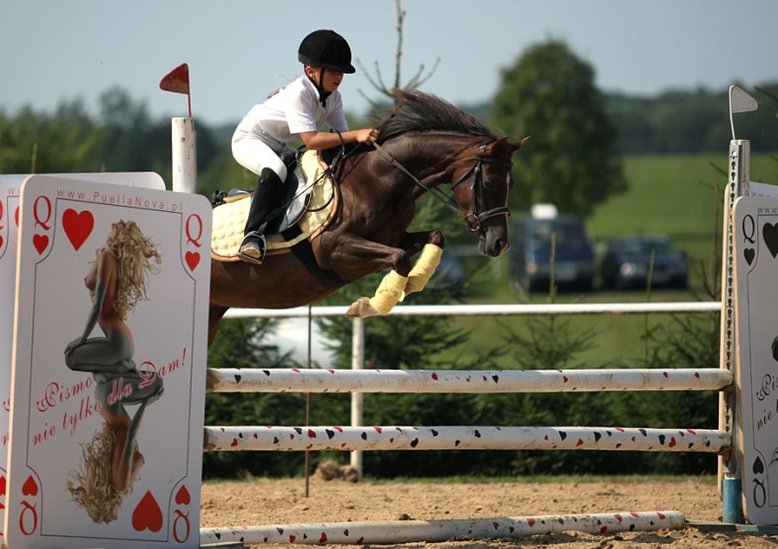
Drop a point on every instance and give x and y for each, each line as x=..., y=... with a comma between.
x=293, y=110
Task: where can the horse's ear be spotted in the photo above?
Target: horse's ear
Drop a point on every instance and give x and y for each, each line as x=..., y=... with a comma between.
x=520, y=143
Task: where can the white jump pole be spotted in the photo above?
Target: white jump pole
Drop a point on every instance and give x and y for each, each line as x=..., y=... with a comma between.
x=408, y=437
x=416, y=531
x=296, y=380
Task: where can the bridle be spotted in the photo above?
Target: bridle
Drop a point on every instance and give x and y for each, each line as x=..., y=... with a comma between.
x=473, y=219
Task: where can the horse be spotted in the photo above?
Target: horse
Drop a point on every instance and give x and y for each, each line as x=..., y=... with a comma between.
x=425, y=142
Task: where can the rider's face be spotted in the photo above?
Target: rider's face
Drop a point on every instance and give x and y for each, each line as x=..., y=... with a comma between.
x=332, y=78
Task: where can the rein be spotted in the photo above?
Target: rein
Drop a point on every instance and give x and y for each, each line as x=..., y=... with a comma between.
x=472, y=219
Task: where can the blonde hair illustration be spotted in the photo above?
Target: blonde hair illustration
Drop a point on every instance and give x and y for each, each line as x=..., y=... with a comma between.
x=134, y=253
x=91, y=487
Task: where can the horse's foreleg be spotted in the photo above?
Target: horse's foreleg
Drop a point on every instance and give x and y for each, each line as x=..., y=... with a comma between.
x=431, y=245
x=424, y=268
x=390, y=291
x=349, y=252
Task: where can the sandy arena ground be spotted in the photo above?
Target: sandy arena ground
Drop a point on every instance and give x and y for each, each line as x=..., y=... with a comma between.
x=262, y=502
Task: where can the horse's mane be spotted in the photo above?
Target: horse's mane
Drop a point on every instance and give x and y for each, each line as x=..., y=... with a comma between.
x=416, y=111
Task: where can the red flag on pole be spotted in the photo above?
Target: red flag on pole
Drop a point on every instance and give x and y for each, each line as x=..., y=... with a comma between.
x=177, y=81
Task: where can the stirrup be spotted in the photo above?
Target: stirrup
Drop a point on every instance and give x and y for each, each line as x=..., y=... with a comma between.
x=253, y=248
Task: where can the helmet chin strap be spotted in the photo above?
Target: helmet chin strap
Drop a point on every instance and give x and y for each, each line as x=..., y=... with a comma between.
x=323, y=95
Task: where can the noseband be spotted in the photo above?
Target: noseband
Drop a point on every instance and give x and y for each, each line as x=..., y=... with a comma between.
x=473, y=219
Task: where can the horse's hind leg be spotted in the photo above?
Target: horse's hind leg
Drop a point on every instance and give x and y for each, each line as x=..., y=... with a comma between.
x=215, y=314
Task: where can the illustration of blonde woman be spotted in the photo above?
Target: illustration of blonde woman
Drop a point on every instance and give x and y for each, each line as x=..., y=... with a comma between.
x=111, y=460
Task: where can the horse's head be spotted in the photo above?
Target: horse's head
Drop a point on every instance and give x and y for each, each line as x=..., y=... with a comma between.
x=481, y=181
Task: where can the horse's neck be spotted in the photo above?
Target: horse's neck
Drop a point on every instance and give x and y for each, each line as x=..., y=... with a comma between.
x=429, y=156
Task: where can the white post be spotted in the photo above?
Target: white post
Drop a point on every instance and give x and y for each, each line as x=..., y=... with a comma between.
x=357, y=363
x=184, y=141
x=729, y=477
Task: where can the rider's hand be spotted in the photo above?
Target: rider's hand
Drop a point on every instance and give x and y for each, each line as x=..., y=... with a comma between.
x=367, y=135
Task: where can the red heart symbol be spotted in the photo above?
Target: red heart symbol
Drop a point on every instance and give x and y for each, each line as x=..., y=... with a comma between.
x=183, y=497
x=147, y=514
x=30, y=487
x=40, y=242
x=323, y=538
x=672, y=442
x=192, y=259
x=2, y=485
x=531, y=522
x=1, y=241
x=16, y=215
x=292, y=537
x=78, y=226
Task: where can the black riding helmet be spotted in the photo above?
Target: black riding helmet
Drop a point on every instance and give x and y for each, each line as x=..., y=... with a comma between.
x=327, y=49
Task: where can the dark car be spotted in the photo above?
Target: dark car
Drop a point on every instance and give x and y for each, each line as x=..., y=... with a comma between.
x=450, y=270
x=627, y=262
x=531, y=253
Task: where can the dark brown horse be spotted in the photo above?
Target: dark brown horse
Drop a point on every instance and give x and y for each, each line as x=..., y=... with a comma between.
x=424, y=143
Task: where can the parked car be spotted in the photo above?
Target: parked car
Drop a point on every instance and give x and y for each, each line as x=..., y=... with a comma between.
x=627, y=261
x=451, y=270
x=531, y=253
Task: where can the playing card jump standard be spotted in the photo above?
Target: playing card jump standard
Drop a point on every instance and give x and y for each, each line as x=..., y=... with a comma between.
x=109, y=366
x=9, y=223
x=755, y=222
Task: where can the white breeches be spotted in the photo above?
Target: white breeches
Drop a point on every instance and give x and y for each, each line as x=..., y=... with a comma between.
x=255, y=155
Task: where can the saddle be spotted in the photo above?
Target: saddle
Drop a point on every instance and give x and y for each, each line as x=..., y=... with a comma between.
x=311, y=200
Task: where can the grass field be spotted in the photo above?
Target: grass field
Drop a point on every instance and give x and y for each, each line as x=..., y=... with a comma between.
x=680, y=195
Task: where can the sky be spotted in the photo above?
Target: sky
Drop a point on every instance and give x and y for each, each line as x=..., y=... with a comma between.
x=239, y=50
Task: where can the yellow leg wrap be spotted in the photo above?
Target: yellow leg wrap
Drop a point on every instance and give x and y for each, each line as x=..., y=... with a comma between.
x=424, y=268
x=389, y=292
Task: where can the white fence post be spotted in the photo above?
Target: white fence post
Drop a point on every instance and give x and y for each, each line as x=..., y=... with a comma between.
x=729, y=468
x=184, y=142
x=357, y=363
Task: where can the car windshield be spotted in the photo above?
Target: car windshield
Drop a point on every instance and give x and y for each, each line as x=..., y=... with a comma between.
x=567, y=235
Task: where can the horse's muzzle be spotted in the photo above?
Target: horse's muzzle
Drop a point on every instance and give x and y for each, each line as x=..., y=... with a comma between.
x=493, y=243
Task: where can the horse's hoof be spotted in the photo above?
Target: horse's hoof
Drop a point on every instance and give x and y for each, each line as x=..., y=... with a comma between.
x=361, y=308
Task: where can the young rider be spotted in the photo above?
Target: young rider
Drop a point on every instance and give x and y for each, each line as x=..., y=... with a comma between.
x=294, y=113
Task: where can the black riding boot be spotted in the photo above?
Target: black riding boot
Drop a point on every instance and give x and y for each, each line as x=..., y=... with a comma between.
x=254, y=244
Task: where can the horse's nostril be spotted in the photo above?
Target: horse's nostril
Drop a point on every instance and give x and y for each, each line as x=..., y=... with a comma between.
x=501, y=245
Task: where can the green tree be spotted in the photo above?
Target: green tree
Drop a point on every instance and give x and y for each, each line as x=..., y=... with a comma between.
x=32, y=142
x=571, y=161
